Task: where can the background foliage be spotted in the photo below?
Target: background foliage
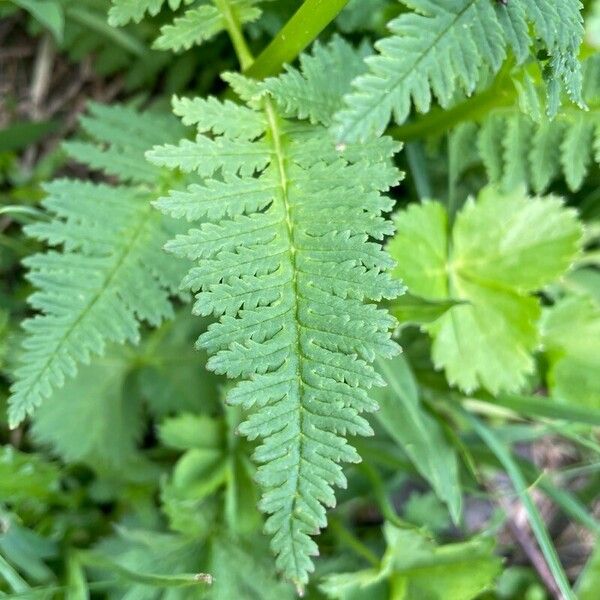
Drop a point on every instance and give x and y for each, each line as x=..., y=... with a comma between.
x=319, y=184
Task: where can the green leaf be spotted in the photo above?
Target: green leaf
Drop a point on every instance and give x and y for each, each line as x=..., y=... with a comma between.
x=27, y=550
x=466, y=39
x=571, y=338
x=288, y=274
x=137, y=576
x=96, y=395
x=110, y=273
x=48, y=12
x=213, y=481
x=186, y=431
x=145, y=561
x=520, y=150
x=170, y=373
x=415, y=568
x=501, y=249
x=304, y=27
x=196, y=26
x=124, y=11
x=254, y=576
x=309, y=92
x=202, y=23
x=26, y=477
x=418, y=433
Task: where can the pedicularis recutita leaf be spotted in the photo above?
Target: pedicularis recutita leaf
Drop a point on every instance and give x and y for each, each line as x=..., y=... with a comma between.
x=501, y=250
x=195, y=25
x=288, y=273
x=517, y=149
x=464, y=39
x=106, y=275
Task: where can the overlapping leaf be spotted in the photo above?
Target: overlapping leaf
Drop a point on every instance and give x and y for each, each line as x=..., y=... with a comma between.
x=517, y=149
x=502, y=249
x=571, y=338
x=414, y=567
x=111, y=272
x=288, y=273
x=198, y=23
x=465, y=38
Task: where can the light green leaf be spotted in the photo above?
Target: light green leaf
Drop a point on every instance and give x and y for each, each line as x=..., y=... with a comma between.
x=186, y=431
x=415, y=568
x=96, y=395
x=134, y=575
x=26, y=550
x=316, y=90
x=254, y=576
x=26, y=476
x=465, y=40
x=502, y=248
x=571, y=338
x=418, y=433
x=290, y=278
x=113, y=270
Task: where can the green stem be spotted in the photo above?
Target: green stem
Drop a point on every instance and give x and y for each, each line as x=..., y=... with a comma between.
x=520, y=485
x=385, y=506
x=346, y=537
x=536, y=406
x=234, y=30
x=567, y=502
x=303, y=28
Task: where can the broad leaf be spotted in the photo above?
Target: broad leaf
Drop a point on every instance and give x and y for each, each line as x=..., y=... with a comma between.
x=415, y=568
x=502, y=249
x=571, y=338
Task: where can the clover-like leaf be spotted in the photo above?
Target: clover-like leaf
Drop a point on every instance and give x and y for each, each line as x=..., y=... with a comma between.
x=501, y=250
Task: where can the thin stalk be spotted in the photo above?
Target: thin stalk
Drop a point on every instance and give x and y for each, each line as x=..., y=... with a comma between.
x=353, y=542
x=234, y=30
x=520, y=485
x=385, y=506
x=536, y=406
x=29, y=211
x=302, y=29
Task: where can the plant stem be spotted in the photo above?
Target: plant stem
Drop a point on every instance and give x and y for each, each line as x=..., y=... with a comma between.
x=535, y=406
x=234, y=30
x=353, y=542
x=303, y=28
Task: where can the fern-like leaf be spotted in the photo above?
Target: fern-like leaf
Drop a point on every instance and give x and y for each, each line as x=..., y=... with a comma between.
x=201, y=22
x=288, y=271
x=124, y=11
x=464, y=39
x=515, y=149
x=111, y=272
